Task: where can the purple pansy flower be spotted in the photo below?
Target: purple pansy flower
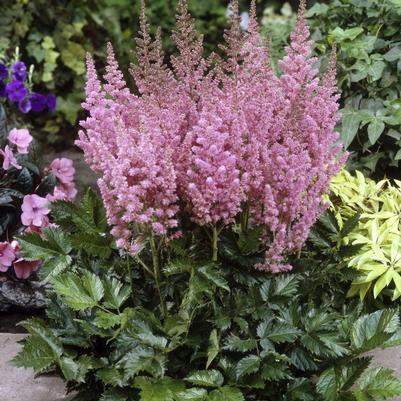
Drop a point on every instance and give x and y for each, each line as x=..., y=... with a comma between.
x=38, y=102
x=51, y=101
x=19, y=71
x=16, y=91
x=25, y=105
x=3, y=71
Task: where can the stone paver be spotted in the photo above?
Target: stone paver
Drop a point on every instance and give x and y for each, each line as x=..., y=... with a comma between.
x=20, y=384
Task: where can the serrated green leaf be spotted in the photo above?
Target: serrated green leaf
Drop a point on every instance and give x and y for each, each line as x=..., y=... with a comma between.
x=206, y=378
x=247, y=365
x=106, y=320
x=164, y=389
x=226, y=393
x=115, y=294
x=214, y=347
x=379, y=383
x=192, y=394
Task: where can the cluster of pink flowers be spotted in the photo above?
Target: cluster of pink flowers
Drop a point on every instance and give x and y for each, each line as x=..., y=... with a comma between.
x=214, y=138
x=19, y=140
x=63, y=169
x=34, y=208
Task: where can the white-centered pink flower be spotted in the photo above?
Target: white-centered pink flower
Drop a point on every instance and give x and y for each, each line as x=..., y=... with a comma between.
x=34, y=210
x=21, y=138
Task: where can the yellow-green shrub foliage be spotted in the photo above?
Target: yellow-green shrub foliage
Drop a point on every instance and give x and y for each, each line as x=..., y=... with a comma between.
x=378, y=231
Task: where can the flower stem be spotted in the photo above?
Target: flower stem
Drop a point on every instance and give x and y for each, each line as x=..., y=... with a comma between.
x=245, y=218
x=156, y=271
x=129, y=271
x=214, y=243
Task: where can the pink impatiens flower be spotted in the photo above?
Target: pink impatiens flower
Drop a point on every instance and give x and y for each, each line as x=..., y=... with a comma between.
x=34, y=211
x=7, y=256
x=21, y=138
x=65, y=192
x=23, y=268
x=9, y=159
x=63, y=169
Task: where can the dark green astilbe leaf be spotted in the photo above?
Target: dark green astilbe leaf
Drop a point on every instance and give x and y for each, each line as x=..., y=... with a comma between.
x=278, y=333
x=234, y=343
x=106, y=320
x=214, y=347
x=283, y=287
x=206, y=378
x=214, y=275
x=327, y=385
x=110, y=375
x=35, y=354
x=226, y=393
x=114, y=394
x=55, y=243
x=303, y=360
x=79, y=293
x=158, y=390
x=300, y=390
x=247, y=365
x=378, y=383
x=192, y=394
x=374, y=330
x=115, y=293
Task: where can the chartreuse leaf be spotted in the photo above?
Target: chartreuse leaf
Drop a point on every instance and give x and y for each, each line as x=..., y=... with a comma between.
x=164, y=389
x=206, y=378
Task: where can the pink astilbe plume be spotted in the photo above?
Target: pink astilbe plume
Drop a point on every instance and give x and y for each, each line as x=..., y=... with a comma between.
x=216, y=140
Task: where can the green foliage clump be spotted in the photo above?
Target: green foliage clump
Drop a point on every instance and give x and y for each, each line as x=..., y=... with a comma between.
x=368, y=39
x=170, y=325
x=376, y=211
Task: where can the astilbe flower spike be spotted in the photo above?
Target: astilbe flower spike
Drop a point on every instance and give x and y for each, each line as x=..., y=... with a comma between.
x=219, y=141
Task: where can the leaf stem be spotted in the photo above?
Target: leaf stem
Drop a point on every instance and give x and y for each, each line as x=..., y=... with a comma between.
x=215, y=238
x=156, y=271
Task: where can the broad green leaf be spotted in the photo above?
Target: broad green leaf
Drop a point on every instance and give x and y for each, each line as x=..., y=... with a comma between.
x=350, y=122
x=375, y=129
